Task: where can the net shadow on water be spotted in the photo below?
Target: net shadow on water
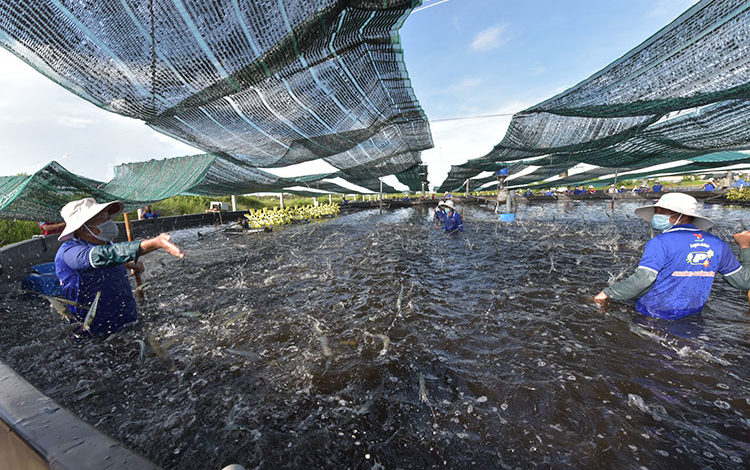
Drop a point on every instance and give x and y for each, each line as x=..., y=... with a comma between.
x=332, y=344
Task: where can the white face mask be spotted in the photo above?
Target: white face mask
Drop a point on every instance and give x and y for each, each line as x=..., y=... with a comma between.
x=108, y=231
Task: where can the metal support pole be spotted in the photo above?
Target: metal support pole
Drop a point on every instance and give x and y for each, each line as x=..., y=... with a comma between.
x=315, y=202
x=234, y=203
x=381, y=196
x=467, y=188
x=423, y=189
x=509, y=202
x=281, y=200
x=330, y=199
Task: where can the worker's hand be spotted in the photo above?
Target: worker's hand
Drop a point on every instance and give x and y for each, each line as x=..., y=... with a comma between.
x=743, y=239
x=136, y=267
x=601, y=300
x=168, y=246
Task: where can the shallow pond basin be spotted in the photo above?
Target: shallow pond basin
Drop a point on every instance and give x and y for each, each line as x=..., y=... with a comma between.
x=373, y=341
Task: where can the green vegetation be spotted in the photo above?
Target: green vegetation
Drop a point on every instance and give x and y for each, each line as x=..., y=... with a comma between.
x=739, y=195
x=12, y=231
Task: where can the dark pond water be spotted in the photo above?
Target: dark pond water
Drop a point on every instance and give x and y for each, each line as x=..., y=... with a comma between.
x=306, y=348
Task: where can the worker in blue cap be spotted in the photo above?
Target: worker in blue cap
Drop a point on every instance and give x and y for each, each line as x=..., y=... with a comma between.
x=453, y=221
x=675, y=274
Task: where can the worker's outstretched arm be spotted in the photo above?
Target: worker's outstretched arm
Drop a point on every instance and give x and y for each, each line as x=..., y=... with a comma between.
x=633, y=287
x=739, y=277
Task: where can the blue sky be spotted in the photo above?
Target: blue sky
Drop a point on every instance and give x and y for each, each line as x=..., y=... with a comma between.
x=464, y=57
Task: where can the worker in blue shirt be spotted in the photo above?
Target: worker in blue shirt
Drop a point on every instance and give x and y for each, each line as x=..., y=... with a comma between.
x=440, y=216
x=453, y=221
x=528, y=193
x=88, y=262
x=709, y=185
x=675, y=274
x=548, y=192
x=657, y=187
x=150, y=214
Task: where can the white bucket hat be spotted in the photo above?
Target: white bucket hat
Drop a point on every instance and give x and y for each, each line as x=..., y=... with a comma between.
x=448, y=203
x=680, y=203
x=77, y=213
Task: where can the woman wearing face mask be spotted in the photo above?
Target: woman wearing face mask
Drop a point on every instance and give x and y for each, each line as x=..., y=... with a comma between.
x=89, y=262
x=676, y=272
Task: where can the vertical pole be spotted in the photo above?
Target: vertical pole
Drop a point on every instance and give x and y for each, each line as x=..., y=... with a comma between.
x=467, y=188
x=330, y=199
x=234, y=203
x=315, y=202
x=281, y=200
x=129, y=232
x=381, y=196
x=423, y=195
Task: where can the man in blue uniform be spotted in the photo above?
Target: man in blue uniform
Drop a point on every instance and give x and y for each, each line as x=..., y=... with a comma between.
x=657, y=187
x=89, y=262
x=453, y=221
x=675, y=274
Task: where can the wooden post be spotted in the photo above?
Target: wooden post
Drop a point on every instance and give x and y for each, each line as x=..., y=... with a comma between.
x=129, y=232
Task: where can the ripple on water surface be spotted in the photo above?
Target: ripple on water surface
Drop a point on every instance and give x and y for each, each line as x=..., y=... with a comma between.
x=375, y=340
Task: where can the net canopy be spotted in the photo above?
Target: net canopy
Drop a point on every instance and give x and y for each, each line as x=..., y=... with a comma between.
x=680, y=94
x=253, y=84
x=602, y=176
x=40, y=196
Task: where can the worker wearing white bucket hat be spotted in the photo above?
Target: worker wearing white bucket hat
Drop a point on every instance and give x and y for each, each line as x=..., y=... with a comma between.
x=89, y=263
x=440, y=216
x=675, y=274
x=453, y=221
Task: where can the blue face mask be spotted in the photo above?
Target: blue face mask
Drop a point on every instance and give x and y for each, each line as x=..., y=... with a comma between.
x=661, y=222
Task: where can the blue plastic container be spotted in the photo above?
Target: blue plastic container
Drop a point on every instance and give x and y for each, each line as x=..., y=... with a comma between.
x=507, y=217
x=43, y=281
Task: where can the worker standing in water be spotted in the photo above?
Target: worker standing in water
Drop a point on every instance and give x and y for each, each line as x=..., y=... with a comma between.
x=439, y=216
x=675, y=274
x=88, y=262
x=453, y=221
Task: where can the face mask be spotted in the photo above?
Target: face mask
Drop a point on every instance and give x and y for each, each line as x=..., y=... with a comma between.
x=661, y=222
x=108, y=231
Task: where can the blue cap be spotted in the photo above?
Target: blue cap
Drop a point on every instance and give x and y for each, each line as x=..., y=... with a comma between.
x=503, y=172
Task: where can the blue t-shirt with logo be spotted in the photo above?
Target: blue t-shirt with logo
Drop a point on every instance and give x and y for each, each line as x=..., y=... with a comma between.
x=81, y=280
x=686, y=261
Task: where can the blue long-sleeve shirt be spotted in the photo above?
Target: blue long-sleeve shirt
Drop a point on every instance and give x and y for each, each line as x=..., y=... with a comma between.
x=453, y=222
x=440, y=216
x=85, y=269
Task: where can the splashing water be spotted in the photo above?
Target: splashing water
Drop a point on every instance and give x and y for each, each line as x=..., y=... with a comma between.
x=301, y=349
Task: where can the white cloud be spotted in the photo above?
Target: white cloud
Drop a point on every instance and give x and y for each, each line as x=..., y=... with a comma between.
x=490, y=38
x=72, y=121
x=669, y=8
x=464, y=84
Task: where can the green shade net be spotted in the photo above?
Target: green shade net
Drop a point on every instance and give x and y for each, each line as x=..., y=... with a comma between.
x=256, y=84
x=41, y=196
x=681, y=93
x=691, y=165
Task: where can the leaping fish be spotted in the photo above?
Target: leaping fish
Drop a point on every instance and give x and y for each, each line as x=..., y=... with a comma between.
x=92, y=312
